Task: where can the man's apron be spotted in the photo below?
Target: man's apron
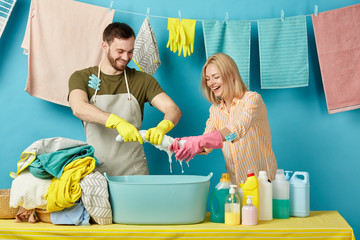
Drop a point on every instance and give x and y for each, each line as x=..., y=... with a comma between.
x=117, y=158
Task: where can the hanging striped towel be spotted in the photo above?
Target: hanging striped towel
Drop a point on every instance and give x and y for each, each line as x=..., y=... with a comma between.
x=337, y=35
x=283, y=52
x=6, y=8
x=146, y=52
x=231, y=38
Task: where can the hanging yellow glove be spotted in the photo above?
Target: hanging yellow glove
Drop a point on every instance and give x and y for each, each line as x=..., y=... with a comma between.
x=173, y=27
x=187, y=36
x=125, y=129
x=155, y=135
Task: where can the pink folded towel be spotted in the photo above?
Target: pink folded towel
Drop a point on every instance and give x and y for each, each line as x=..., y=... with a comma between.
x=61, y=37
x=337, y=35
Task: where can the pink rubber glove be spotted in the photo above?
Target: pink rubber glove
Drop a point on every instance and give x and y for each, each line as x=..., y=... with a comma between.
x=194, y=145
x=175, y=147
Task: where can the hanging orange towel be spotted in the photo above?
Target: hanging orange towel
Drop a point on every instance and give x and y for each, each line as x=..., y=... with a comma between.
x=61, y=37
x=337, y=35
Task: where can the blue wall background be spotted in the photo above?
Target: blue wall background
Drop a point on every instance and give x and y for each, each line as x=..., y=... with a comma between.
x=305, y=137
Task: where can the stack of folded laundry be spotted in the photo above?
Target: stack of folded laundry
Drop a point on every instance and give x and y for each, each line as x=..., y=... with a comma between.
x=57, y=175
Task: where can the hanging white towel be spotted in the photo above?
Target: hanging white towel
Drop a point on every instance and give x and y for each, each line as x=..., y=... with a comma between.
x=146, y=52
x=61, y=37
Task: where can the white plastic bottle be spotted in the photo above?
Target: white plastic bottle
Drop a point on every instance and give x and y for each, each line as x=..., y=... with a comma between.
x=265, y=197
x=249, y=213
x=281, y=204
x=300, y=194
x=232, y=207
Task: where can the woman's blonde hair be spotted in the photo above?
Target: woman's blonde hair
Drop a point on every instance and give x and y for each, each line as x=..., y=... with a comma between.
x=232, y=82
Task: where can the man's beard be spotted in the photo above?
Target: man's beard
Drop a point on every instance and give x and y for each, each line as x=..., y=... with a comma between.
x=113, y=64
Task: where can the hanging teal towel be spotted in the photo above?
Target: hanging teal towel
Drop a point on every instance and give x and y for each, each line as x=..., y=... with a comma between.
x=49, y=165
x=283, y=52
x=231, y=38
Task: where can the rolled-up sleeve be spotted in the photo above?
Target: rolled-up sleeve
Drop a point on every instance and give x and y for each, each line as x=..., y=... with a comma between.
x=250, y=110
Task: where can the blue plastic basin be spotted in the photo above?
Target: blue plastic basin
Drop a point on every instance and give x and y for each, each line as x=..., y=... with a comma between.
x=158, y=199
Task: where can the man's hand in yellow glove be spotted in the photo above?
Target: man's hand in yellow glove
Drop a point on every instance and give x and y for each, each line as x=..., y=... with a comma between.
x=155, y=135
x=187, y=36
x=125, y=129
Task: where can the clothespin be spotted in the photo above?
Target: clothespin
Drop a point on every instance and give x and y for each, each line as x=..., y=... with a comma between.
x=282, y=15
x=148, y=13
x=226, y=17
x=316, y=10
x=111, y=5
x=179, y=12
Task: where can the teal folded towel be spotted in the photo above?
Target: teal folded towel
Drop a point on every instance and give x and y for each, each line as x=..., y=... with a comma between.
x=231, y=38
x=49, y=165
x=283, y=49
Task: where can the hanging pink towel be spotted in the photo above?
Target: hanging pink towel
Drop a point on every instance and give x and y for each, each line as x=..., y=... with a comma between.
x=337, y=35
x=61, y=37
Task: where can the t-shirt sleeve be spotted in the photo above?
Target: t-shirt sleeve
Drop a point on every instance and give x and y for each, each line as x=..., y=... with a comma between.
x=153, y=88
x=78, y=81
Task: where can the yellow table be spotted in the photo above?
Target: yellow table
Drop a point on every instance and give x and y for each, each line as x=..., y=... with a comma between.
x=319, y=225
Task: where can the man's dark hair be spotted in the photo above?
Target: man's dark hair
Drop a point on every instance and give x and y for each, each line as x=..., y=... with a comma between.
x=117, y=30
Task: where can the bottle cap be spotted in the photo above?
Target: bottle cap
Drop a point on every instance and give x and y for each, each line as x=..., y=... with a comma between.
x=248, y=200
x=225, y=177
x=250, y=173
x=232, y=189
x=280, y=174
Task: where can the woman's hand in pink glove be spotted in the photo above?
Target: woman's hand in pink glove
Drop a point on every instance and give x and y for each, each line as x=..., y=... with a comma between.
x=194, y=145
x=190, y=148
x=174, y=147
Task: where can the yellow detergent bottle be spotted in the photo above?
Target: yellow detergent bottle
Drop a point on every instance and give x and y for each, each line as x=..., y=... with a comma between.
x=251, y=188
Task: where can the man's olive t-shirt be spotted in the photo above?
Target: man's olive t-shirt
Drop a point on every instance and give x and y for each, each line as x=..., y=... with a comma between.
x=142, y=86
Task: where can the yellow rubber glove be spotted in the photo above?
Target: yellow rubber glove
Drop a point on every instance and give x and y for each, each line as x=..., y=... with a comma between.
x=125, y=129
x=174, y=28
x=187, y=36
x=155, y=135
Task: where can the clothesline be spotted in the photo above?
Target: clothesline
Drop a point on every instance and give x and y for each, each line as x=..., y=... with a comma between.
x=199, y=20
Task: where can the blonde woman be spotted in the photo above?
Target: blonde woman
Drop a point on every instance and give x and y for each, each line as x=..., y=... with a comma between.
x=238, y=123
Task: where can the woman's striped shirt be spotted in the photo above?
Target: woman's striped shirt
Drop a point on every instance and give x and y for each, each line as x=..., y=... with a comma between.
x=252, y=148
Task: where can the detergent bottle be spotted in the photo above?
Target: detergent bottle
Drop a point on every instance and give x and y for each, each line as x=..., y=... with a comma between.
x=249, y=213
x=218, y=196
x=251, y=188
x=265, y=197
x=300, y=194
x=232, y=207
x=281, y=205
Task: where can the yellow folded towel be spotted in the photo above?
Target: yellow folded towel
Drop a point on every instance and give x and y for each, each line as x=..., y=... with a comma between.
x=66, y=190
